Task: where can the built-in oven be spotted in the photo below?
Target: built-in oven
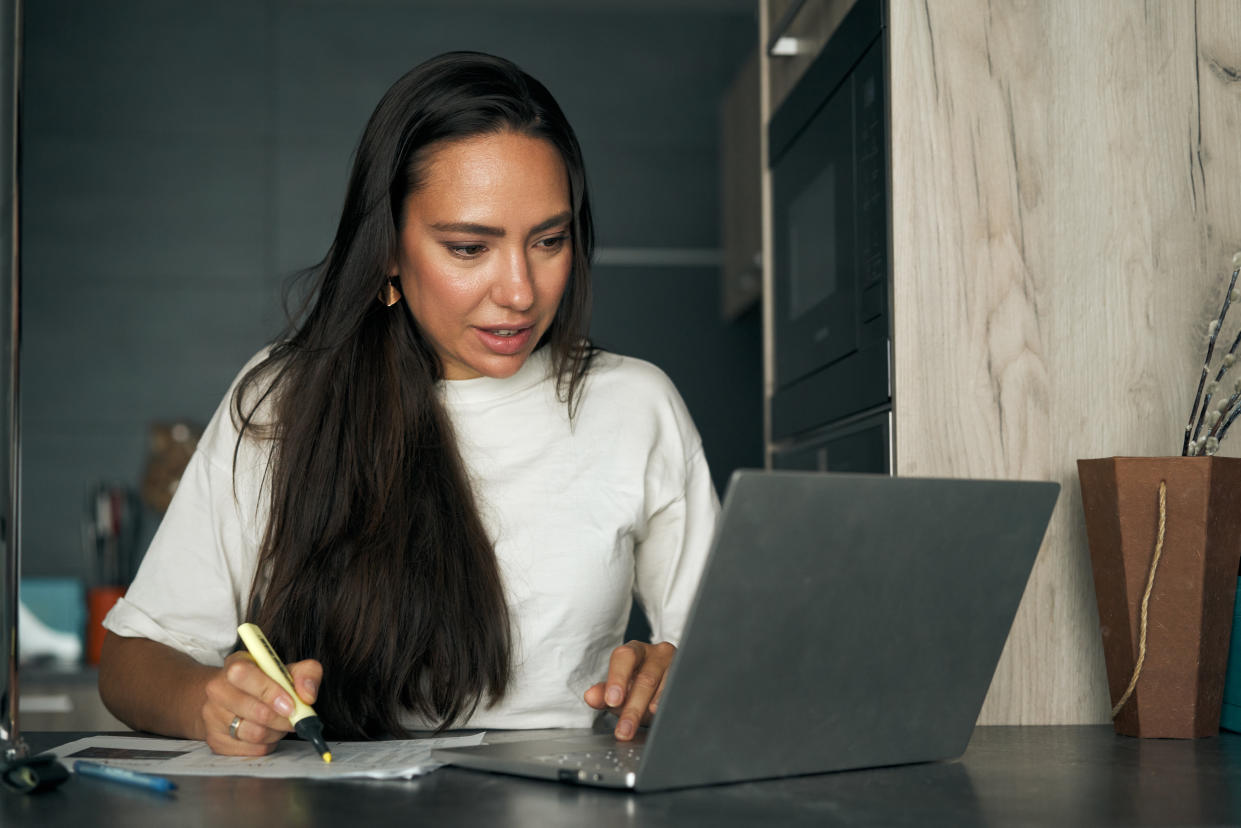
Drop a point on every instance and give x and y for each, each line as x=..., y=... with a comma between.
x=828, y=158
x=860, y=444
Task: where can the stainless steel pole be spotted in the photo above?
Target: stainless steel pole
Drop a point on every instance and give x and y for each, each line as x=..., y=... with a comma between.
x=11, y=743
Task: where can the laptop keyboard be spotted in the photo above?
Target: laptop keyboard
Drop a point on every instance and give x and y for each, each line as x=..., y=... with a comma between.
x=622, y=760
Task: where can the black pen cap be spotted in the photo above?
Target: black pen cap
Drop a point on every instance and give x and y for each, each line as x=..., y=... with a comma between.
x=311, y=729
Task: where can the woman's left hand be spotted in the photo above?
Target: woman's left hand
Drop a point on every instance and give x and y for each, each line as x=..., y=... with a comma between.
x=635, y=681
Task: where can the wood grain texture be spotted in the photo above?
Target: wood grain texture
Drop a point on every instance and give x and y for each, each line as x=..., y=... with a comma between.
x=1066, y=200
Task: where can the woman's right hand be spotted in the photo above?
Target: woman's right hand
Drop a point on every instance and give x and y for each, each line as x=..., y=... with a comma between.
x=241, y=689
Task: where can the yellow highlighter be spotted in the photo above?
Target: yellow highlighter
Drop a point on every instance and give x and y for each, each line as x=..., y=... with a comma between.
x=305, y=721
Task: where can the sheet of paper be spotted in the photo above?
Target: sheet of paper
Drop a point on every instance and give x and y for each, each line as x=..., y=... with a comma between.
x=396, y=759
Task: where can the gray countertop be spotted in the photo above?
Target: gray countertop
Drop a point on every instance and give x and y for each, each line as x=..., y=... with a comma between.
x=63, y=697
x=1077, y=775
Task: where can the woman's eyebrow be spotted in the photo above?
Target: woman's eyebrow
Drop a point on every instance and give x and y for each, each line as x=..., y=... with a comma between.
x=498, y=232
x=558, y=219
x=467, y=227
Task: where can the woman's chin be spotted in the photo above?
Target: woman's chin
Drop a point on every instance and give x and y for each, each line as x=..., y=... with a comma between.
x=492, y=366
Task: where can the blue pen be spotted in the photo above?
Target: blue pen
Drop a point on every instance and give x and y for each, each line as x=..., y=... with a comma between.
x=125, y=777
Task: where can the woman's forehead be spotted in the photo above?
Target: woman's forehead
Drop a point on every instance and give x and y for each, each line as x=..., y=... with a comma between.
x=483, y=178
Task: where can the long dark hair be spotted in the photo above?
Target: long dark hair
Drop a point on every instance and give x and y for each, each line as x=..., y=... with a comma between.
x=375, y=560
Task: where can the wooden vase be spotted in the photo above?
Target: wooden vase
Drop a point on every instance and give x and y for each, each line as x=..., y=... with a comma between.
x=1189, y=612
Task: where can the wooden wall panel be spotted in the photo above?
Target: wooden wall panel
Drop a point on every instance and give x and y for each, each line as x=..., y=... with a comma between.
x=1066, y=200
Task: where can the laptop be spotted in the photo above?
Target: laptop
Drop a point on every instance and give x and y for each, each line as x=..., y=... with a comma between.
x=842, y=621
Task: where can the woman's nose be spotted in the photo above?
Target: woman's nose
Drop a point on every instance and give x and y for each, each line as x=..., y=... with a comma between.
x=514, y=286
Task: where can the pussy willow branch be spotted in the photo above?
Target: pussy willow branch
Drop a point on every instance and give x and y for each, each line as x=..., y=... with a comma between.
x=1191, y=431
x=1218, y=418
x=1225, y=363
x=1224, y=424
x=1224, y=410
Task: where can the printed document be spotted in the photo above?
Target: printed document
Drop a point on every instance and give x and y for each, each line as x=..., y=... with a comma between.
x=395, y=759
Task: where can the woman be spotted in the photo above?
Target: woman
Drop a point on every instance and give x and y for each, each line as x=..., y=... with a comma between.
x=432, y=494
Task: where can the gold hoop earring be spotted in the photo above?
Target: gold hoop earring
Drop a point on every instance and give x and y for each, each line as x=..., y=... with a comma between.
x=390, y=294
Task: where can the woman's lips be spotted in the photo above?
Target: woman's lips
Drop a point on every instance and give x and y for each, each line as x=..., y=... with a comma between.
x=506, y=341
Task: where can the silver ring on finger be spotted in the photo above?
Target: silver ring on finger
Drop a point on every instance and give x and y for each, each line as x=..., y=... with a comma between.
x=232, y=727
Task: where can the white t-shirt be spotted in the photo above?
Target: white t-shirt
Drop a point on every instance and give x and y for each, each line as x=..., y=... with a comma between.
x=583, y=515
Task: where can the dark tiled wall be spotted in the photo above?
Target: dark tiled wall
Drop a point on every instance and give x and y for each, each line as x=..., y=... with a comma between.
x=181, y=159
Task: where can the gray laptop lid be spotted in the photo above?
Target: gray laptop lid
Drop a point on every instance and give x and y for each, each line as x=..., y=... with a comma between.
x=844, y=621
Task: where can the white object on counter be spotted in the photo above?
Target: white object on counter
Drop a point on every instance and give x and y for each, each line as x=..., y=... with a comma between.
x=36, y=639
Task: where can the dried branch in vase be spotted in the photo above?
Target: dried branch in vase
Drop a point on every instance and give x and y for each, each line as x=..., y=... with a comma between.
x=1219, y=418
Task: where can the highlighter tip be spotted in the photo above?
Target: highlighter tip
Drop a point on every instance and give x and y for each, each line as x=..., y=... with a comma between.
x=327, y=756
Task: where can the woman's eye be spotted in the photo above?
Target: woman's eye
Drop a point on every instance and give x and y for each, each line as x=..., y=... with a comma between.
x=466, y=251
x=553, y=242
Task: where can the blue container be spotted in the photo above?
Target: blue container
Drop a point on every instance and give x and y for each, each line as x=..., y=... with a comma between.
x=1230, y=715
x=60, y=603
